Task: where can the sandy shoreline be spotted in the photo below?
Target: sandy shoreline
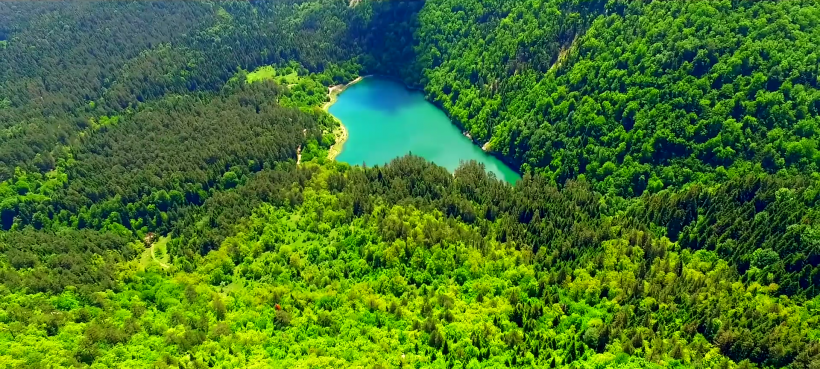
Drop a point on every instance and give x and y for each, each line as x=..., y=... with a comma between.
x=341, y=134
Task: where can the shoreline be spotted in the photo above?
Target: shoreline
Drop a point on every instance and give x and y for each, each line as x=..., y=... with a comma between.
x=485, y=146
x=341, y=134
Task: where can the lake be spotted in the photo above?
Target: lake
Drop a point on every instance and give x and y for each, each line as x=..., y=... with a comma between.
x=385, y=120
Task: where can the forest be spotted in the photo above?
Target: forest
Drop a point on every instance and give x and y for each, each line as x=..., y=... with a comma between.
x=167, y=201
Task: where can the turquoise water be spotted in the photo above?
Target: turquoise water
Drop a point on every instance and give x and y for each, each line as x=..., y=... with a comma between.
x=385, y=120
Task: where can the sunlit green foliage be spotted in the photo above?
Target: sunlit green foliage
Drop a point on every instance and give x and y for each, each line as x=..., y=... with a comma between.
x=153, y=214
x=314, y=284
x=634, y=95
x=262, y=73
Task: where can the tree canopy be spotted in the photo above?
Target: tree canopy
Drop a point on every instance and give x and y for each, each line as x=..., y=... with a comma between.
x=166, y=200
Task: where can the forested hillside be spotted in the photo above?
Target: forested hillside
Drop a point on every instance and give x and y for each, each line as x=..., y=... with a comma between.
x=166, y=200
x=637, y=95
x=108, y=57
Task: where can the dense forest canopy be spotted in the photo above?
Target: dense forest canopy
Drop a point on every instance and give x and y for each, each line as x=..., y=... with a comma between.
x=166, y=200
x=637, y=96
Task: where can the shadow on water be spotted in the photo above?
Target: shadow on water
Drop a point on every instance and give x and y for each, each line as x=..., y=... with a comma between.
x=389, y=101
x=386, y=31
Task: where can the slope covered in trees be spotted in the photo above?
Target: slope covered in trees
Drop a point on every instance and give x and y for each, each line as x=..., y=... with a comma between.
x=153, y=214
x=407, y=264
x=59, y=65
x=635, y=95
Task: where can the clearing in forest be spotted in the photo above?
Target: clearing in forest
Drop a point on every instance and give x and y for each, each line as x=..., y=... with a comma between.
x=268, y=72
x=156, y=253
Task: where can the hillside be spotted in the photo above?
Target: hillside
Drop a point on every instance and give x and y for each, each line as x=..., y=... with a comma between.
x=166, y=200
